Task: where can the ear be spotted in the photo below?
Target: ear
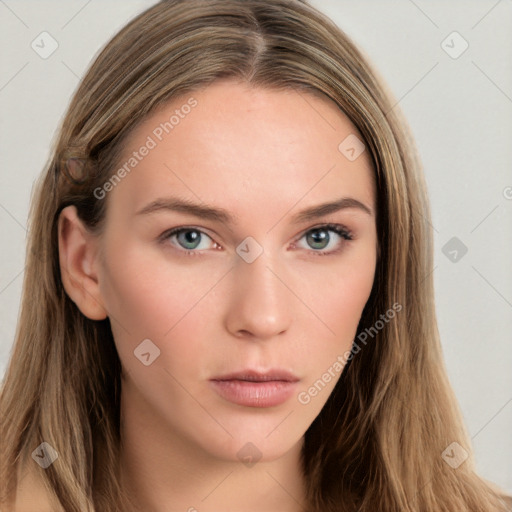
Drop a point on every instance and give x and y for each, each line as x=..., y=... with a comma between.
x=78, y=251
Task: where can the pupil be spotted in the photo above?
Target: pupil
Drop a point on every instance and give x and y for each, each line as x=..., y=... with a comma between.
x=319, y=237
x=191, y=237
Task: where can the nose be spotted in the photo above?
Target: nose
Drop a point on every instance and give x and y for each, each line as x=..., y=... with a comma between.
x=261, y=304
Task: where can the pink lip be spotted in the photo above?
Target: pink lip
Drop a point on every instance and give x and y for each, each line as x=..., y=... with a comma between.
x=254, y=389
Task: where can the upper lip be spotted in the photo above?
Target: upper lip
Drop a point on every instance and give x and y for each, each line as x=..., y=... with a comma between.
x=255, y=376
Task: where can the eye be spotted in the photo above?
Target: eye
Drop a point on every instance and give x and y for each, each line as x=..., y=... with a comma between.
x=190, y=239
x=322, y=240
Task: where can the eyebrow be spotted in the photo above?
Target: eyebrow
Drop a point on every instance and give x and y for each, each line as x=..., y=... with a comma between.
x=212, y=213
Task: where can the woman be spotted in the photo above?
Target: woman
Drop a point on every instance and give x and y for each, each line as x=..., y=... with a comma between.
x=228, y=302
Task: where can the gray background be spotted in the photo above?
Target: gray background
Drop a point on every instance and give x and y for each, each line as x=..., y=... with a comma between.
x=460, y=112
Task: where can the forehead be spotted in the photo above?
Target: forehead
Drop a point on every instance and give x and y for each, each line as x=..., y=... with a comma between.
x=239, y=146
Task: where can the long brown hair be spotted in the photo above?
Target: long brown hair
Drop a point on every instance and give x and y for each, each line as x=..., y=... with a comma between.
x=378, y=443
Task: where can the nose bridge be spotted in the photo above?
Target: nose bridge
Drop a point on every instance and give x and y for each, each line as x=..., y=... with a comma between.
x=261, y=303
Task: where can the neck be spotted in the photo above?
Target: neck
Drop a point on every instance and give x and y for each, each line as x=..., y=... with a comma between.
x=161, y=470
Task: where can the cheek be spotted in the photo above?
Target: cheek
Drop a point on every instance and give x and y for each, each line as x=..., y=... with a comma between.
x=339, y=305
x=338, y=300
x=339, y=292
x=148, y=296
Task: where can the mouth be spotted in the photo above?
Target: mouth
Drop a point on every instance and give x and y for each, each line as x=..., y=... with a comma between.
x=250, y=388
x=254, y=376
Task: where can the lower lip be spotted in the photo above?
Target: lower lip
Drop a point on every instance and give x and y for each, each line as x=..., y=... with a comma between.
x=254, y=394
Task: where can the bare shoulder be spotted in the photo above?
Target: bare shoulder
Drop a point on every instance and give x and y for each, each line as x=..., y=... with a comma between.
x=507, y=500
x=31, y=494
x=505, y=497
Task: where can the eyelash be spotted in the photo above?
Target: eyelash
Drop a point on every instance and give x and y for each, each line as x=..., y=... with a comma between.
x=340, y=230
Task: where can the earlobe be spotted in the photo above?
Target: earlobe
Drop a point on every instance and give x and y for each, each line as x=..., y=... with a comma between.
x=77, y=260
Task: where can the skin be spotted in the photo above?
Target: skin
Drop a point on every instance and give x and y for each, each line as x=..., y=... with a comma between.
x=263, y=155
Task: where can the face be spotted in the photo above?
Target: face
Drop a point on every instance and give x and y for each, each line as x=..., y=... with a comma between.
x=230, y=306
